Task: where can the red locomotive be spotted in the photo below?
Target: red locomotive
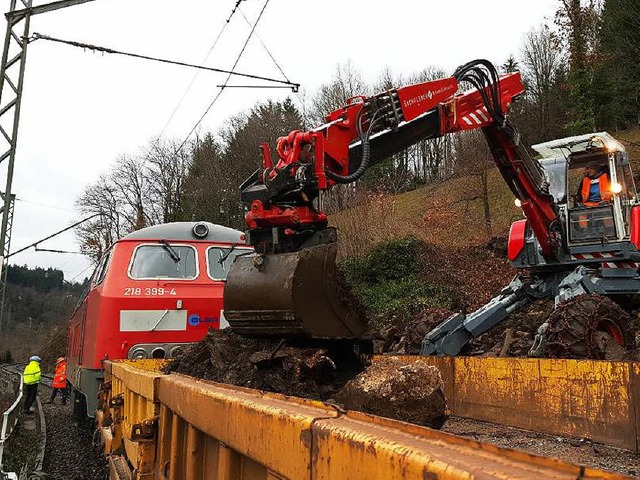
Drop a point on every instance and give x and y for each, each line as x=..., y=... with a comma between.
x=153, y=292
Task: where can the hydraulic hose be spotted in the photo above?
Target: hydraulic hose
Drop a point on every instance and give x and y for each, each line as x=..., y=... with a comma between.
x=364, y=164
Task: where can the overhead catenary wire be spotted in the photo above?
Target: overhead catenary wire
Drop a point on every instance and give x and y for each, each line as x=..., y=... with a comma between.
x=45, y=205
x=195, y=76
x=38, y=36
x=231, y=72
x=54, y=234
x=91, y=265
x=265, y=48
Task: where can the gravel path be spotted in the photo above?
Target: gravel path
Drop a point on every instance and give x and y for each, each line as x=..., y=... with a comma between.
x=577, y=451
x=69, y=453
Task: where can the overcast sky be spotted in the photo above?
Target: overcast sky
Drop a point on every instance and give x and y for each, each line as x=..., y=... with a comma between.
x=81, y=110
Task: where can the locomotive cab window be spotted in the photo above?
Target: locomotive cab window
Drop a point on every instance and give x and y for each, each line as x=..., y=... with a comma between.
x=220, y=259
x=101, y=271
x=164, y=260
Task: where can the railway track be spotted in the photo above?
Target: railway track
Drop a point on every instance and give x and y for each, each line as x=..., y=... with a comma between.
x=13, y=455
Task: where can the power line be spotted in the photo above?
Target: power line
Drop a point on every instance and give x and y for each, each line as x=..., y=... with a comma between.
x=215, y=42
x=53, y=235
x=91, y=265
x=265, y=47
x=45, y=205
x=231, y=72
x=37, y=36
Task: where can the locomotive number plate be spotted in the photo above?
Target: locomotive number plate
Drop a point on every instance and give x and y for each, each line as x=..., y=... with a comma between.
x=149, y=291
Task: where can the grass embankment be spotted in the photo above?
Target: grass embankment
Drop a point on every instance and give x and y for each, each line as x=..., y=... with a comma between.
x=447, y=213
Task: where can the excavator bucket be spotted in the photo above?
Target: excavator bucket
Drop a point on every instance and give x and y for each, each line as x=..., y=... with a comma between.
x=291, y=294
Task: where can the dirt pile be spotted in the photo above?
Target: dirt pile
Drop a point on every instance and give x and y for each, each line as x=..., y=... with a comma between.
x=412, y=392
x=514, y=336
x=313, y=371
x=473, y=274
x=407, y=340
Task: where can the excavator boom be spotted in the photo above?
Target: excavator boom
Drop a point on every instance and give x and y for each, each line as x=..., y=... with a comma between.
x=290, y=287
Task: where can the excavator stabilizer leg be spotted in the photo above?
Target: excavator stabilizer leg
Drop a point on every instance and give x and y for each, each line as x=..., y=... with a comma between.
x=450, y=337
x=291, y=294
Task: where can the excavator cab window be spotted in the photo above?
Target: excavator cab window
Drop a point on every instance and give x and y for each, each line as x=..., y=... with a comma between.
x=627, y=195
x=556, y=171
x=602, y=186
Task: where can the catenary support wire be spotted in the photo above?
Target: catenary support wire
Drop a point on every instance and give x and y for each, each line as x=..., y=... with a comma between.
x=53, y=235
x=38, y=36
x=222, y=88
x=236, y=7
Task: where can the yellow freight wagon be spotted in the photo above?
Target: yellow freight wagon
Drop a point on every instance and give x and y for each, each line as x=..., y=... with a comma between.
x=174, y=427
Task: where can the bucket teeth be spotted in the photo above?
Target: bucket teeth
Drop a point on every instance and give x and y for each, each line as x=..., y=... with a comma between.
x=291, y=294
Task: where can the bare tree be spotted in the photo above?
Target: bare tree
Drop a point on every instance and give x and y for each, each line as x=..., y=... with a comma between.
x=475, y=160
x=95, y=236
x=166, y=167
x=132, y=190
x=346, y=83
x=543, y=59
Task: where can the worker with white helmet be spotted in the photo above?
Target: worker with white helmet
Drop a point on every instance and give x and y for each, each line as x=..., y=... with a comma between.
x=31, y=378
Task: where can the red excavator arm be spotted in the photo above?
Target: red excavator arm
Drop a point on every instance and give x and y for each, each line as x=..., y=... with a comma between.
x=283, y=215
x=286, y=222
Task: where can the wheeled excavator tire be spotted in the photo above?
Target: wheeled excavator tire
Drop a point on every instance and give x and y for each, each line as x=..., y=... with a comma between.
x=589, y=326
x=298, y=294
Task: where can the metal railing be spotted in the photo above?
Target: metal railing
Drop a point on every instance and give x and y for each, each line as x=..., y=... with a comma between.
x=9, y=382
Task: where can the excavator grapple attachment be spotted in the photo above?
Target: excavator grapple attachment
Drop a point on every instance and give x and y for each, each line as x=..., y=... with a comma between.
x=291, y=294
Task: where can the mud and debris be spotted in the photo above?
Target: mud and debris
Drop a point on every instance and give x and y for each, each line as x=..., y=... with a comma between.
x=333, y=371
x=409, y=391
x=313, y=370
x=579, y=451
x=407, y=339
x=515, y=335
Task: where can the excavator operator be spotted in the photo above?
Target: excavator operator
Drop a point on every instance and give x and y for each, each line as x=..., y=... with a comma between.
x=595, y=186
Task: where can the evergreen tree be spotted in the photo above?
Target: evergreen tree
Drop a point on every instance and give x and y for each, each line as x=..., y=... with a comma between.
x=618, y=88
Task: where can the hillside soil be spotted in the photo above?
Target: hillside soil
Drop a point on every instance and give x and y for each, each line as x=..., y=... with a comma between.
x=474, y=275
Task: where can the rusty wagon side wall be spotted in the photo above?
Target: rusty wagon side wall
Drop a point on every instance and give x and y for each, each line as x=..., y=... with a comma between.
x=592, y=399
x=170, y=427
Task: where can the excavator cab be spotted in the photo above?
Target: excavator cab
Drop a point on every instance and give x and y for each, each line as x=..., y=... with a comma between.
x=597, y=187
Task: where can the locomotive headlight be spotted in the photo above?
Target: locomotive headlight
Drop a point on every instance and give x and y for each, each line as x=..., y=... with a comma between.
x=616, y=188
x=200, y=230
x=158, y=352
x=138, y=354
x=518, y=202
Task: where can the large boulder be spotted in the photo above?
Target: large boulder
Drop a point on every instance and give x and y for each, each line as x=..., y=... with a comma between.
x=411, y=391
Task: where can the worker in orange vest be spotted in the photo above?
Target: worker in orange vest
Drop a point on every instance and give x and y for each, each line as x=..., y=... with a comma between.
x=595, y=186
x=59, y=383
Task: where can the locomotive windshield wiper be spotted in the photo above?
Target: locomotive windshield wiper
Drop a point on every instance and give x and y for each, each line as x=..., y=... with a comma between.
x=175, y=256
x=223, y=258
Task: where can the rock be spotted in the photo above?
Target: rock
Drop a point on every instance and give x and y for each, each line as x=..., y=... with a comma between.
x=409, y=391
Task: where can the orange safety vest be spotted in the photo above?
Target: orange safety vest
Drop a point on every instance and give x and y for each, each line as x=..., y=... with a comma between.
x=60, y=376
x=603, y=184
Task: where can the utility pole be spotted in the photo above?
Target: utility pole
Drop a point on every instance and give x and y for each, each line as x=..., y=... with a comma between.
x=11, y=85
